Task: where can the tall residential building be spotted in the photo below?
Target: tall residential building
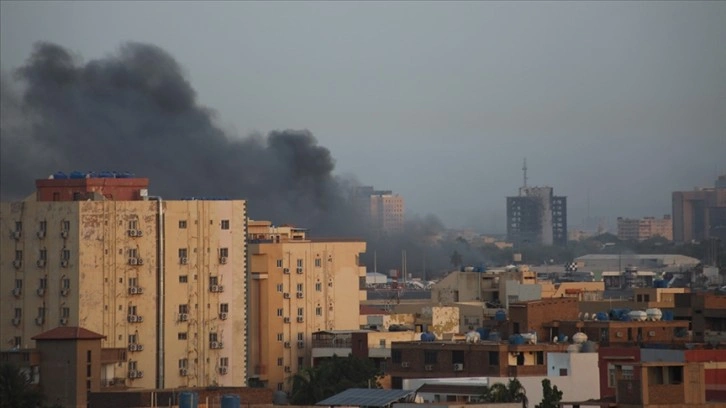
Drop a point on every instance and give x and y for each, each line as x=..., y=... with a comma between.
x=537, y=217
x=700, y=214
x=383, y=211
x=163, y=281
x=645, y=228
x=298, y=286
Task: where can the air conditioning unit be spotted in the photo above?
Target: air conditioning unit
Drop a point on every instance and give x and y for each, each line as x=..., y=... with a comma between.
x=299, y=295
x=300, y=319
x=287, y=344
x=132, y=232
x=136, y=374
x=63, y=321
x=139, y=347
x=183, y=261
x=139, y=319
x=64, y=292
x=223, y=370
x=132, y=347
x=222, y=260
x=39, y=321
x=133, y=261
x=405, y=364
x=286, y=320
x=299, y=270
x=16, y=321
x=458, y=367
x=183, y=372
x=651, y=333
x=17, y=263
x=40, y=291
x=133, y=318
x=183, y=317
x=139, y=233
x=17, y=235
x=216, y=345
x=220, y=288
x=64, y=263
x=429, y=367
x=64, y=234
x=286, y=271
x=139, y=261
x=139, y=290
x=133, y=290
x=300, y=344
x=17, y=291
x=286, y=295
x=41, y=263
x=41, y=234
x=216, y=288
x=223, y=316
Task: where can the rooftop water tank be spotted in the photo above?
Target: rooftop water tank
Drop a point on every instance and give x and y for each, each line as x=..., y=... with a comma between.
x=483, y=332
x=530, y=338
x=654, y=314
x=77, y=175
x=59, y=175
x=516, y=340
x=495, y=336
x=426, y=336
x=188, y=400
x=668, y=315
x=500, y=316
x=579, y=338
x=473, y=337
x=602, y=316
x=638, y=315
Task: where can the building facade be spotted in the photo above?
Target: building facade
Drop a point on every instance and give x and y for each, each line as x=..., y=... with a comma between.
x=298, y=286
x=645, y=228
x=164, y=281
x=537, y=217
x=383, y=210
x=700, y=214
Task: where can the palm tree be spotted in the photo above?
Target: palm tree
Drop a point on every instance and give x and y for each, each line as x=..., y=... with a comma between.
x=16, y=389
x=512, y=392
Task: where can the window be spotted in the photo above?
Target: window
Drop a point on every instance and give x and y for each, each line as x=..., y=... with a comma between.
x=213, y=280
x=300, y=336
x=18, y=226
x=280, y=337
x=279, y=263
x=133, y=224
x=382, y=342
x=183, y=279
x=494, y=358
x=65, y=312
x=279, y=312
x=133, y=338
x=182, y=224
x=299, y=263
x=318, y=262
x=18, y=313
x=627, y=372
x=225, y=224
x=318, y=311
x=563, y=372
x=132, y=365
x=17, y=341
x=43, y=255
x=223, y=252
x=183, y=253
x=132, y=310
x=224, y=362
x=212, y=337
x=318, y=287
x=300, y=312
x=183, y=363
x=540, y=358
x=280, y=362
x=133, y=253
x=133, y=282
x=299, y=287
x=66, y=225
x=224, y=308
x=183, y=309
x=18, y=283
x=279, y=287
x=66, y=254
x=611, y=375
x=43, y=283
x=18, y=255
x=279, y=386
x=430, y=356
x=396, y=356
x=181, y=336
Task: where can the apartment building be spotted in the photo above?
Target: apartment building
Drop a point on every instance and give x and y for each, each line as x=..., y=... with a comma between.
x=162, y=281
x=701, y=213
x=537, y=217
x=630, y=229
x=384, y=211
x=298, y=286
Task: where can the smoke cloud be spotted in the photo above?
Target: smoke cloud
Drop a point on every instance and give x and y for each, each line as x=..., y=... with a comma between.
x=135, y=111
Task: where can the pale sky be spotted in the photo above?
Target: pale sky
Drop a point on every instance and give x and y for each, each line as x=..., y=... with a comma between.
x=441, y=101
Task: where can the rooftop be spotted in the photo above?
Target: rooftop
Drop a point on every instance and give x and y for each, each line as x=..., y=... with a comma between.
x=68, y=333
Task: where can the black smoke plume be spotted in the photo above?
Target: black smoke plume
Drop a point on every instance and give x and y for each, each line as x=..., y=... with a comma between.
x=135, y=111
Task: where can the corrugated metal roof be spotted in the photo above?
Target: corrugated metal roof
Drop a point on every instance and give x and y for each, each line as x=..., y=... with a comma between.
x=365, y=397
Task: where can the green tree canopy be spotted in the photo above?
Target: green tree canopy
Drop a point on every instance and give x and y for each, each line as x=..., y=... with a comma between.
x=512, y=392
x=551, y=396
x=16, y=389
x=314, y=384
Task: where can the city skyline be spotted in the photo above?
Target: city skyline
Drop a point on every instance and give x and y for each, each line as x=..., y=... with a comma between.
x=441, y=101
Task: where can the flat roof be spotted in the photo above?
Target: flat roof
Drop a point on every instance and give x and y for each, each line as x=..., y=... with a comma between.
x=365, y=397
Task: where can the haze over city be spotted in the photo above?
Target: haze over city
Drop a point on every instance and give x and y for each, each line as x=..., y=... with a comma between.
x=615, y=105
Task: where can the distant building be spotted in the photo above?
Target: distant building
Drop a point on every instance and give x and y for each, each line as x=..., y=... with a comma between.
x=617, y=262
x=161, y=281
x=383, y=211
x=537, y=217
x=700, y=214
x=645, y=228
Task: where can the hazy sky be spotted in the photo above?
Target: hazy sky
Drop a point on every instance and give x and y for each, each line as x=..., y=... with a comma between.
x=440, y=102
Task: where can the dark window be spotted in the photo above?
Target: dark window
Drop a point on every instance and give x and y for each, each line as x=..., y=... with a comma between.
x=182, y=224
x=225, y=224
x=430, y=357
x=88, y=356
x=540, y=358
x=494, y=358
x=457, y=357
x=396, y=356
x=563, y=372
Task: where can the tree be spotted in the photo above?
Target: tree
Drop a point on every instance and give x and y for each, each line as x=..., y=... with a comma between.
x=551, y=396
x=16, y=389
x=314, y=384
x=512, y=392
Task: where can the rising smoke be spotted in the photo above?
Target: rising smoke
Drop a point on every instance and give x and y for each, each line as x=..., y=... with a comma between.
x=135, y=111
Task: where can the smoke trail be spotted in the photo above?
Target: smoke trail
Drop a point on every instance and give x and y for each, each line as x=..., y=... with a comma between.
x=135, y=111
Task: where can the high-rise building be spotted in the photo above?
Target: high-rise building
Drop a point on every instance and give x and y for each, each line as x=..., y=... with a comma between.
x=645, y=228
x=298, y=286
x=383, y=211
x=700, y=214
x=163, y=281
x=537, y=217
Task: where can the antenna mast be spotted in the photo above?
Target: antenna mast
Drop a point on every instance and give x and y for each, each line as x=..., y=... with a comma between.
x=524, y=169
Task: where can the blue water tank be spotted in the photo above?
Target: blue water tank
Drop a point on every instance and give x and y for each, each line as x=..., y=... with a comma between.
x=188, y=400
x=494, y=336
x=561, y=338
x=483, y=332
x=426, y=336
x=59, y=175
x=516, y=339
x=77, y=175
x=230, y=401
x=667, y=315
x=105, y=174
x=660, y=283
x=500, y=316
x=602, y=316
x=123, y=174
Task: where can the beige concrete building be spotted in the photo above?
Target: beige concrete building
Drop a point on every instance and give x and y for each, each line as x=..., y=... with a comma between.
x=162, y=281
x=384, y=209
x=298, y=286
x=645, y=228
